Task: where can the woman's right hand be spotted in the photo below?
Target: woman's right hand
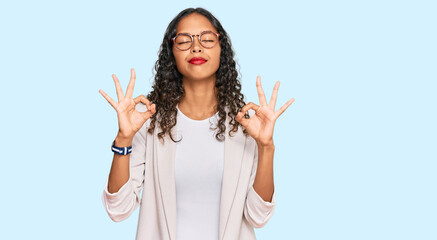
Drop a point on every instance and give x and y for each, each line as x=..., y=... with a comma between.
x=129, y=119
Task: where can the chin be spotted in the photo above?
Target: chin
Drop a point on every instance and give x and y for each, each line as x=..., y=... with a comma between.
x=198, y=75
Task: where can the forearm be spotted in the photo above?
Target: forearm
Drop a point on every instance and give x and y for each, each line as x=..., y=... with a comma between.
x=263, y=184
x=119, y=173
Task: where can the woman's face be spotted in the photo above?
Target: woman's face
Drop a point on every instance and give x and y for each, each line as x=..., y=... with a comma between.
x=194, y=24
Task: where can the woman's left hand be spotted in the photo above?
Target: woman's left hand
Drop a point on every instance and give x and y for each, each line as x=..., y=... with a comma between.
x=260, y=126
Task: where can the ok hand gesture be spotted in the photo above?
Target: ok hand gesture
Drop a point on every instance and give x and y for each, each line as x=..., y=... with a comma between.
x=260, y=126
x=129, y=119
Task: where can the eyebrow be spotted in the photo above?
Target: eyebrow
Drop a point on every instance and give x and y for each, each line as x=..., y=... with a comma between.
x=194, y=34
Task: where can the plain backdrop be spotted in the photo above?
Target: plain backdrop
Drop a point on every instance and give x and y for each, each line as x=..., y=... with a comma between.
x=355, y=153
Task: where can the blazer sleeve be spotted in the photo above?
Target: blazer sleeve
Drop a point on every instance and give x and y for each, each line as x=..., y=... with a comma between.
x=121, y=204
x=257, y=211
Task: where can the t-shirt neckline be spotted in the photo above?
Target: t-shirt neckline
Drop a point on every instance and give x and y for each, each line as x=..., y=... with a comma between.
x=192, y=120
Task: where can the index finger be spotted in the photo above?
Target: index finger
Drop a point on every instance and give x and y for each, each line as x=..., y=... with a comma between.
x=130, y=87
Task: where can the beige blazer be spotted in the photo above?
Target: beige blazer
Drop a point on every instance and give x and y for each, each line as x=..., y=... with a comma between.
x=152, y=169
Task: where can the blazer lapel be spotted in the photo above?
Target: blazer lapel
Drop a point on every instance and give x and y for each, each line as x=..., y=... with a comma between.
x=234, y=148
x=165, y=156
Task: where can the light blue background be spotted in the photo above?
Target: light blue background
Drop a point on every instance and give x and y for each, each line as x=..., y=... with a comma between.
x=355, y=153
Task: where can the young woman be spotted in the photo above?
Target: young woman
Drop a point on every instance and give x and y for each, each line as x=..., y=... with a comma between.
x=203, y=158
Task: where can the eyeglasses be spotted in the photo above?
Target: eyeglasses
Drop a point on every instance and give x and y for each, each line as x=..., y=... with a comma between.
x=184, y=41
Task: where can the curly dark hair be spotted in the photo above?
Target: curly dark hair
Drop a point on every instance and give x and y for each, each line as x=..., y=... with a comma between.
x=168, y=90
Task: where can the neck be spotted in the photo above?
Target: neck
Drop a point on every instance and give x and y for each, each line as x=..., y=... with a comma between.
x=200, y=98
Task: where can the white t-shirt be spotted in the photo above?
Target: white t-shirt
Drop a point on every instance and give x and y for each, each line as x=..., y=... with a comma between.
x=198, y=175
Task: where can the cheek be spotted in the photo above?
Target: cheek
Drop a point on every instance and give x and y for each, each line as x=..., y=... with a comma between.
x=179, y=59
x=217, y=58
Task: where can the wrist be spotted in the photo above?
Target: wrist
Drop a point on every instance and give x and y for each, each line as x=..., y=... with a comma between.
x=266, y=145
x=123, y=141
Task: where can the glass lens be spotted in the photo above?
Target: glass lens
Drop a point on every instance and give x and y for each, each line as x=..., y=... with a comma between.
x=183, y=42
x=208, y=40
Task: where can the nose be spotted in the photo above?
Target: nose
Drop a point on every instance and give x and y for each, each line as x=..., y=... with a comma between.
x=196, y=44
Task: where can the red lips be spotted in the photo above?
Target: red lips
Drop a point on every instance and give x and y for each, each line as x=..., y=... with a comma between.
x=197, y=60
